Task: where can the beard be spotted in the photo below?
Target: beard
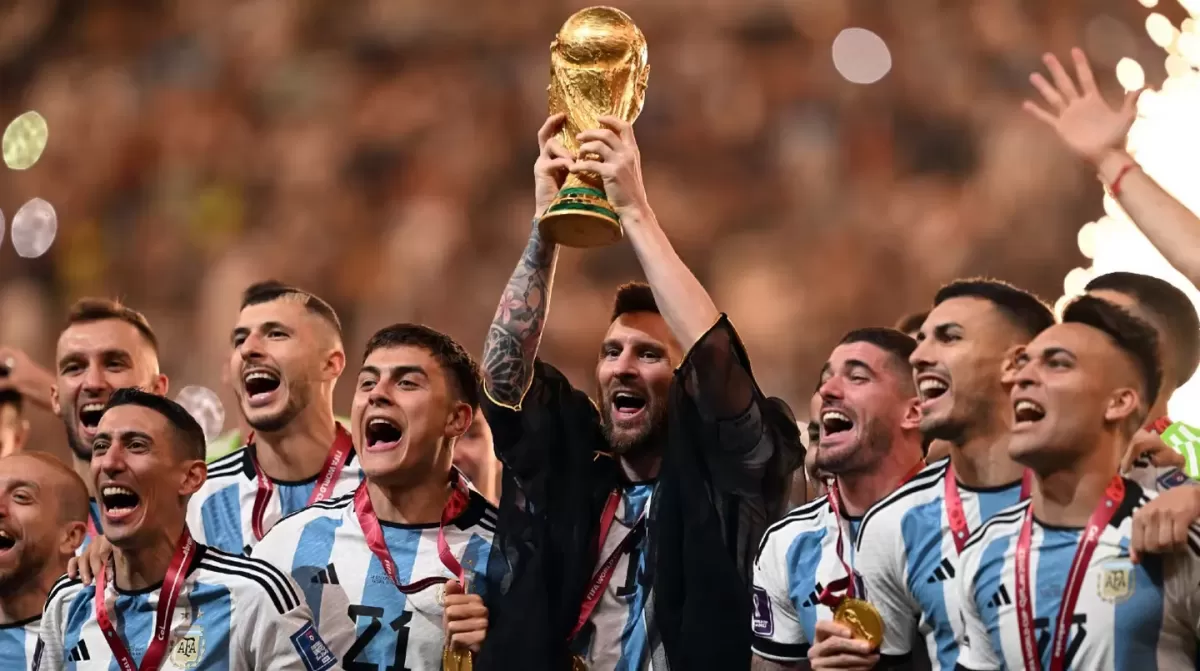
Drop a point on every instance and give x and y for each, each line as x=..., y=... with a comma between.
x=296, y=403
x=23, y=574
x=82, y=450
x=874, y=442
x=650, y=433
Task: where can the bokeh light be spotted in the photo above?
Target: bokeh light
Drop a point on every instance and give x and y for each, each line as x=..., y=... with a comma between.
x=33, y=228
x=1165, y=140
x=861, y=56
x=204, y=405
x=25, y=140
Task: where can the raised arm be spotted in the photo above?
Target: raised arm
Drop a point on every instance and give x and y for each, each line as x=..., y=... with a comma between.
x=685, y=305
x=1097, y=132
x=516, y=331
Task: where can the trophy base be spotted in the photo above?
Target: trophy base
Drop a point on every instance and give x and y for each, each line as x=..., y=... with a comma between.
x=580, y=217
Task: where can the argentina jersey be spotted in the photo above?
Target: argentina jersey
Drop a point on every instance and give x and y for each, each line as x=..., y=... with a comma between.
x=220, y=515
x=18, y=641
x=233, y=613
x=906, y=559
x=797, y=559
x=365, y=619
x=1144, y=616
x=617, y=635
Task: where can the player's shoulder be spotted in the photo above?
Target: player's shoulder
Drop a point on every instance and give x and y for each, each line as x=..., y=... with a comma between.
x=479, y=514
x=1138, y=497
x=327, y=508
x=925, y=486
x=248, y=579
x=807, y=518
x=1004, y=524
x=236, y=465
x=63, y=591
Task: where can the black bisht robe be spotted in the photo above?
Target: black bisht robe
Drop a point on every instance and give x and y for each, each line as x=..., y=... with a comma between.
x=725, y=476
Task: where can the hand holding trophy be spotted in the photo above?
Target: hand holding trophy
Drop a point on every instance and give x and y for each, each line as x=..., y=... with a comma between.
x=598, y=68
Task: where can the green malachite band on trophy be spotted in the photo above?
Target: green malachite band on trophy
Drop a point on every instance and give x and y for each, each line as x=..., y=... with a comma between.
x=568, y=206
x=581, y=191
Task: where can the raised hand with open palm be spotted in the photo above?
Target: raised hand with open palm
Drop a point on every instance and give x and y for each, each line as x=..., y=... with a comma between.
x=1081, y=116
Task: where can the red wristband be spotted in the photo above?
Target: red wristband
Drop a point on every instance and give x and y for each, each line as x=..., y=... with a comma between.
x=1115, y=187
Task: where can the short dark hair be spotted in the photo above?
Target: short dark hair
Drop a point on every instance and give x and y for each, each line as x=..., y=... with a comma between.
x=458, y=365
x=186, y=428
x=1021, y=308
x=912, y=322
x=271, y=290
x=1133, y=335
x=899, y=345
x=87, y=310
x=1167, y=306
x=633, y=297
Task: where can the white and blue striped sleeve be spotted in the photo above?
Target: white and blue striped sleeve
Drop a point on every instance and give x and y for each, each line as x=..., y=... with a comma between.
x=48, y=654
x=778, y=635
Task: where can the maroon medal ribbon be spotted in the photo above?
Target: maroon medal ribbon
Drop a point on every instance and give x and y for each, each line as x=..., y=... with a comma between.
x=954, y=509
x=459, y=499
x=1101, y=516
x=604, y=572
x=339, y=452
x=1159, y=425
x=168, y=596
x=828, y=596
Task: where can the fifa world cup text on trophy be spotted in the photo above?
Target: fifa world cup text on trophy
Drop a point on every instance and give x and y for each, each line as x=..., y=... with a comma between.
x=598, y=67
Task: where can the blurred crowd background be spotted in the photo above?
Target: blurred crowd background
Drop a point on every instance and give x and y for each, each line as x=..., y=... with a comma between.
x=380, y=152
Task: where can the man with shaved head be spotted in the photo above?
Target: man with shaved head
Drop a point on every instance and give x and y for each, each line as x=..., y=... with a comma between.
x=43, y=519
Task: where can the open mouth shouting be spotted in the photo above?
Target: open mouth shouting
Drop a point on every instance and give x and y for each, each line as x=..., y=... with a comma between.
x=626, y=405
x=1026, y=413
x=89, y=416
x=382, y=434
x=931, y=388
x=8, y=540
x=118, y=503
x=835, y=425
x=261, y=385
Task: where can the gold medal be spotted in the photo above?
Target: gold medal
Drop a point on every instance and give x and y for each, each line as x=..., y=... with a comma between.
x=863, y=619
x=457, y=660
x=578, y=664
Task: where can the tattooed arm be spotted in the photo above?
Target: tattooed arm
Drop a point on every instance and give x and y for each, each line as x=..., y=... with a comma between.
x=516, y=331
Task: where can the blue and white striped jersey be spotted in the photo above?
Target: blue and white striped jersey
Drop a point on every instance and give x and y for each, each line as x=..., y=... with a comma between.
x=617, y=635
x=233, y=613
x=1156, y=602
x=367, y=622
x=797, y=559
x=18, y=642
x=907, y=559
x=220, y=514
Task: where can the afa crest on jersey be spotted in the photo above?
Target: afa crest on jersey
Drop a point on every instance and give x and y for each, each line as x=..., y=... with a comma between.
x=188, y=649
x=1116, y=581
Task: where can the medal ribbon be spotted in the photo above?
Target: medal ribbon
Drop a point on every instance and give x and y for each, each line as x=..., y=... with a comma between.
x=459, y=499
x=827, y=596
x=954, y=509
x=339, y=452
x=1101, y=516
x=1159, y=425
x=604, y=572
x=168, y=596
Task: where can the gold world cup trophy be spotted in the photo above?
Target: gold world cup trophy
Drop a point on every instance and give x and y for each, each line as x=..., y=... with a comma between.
x=597, y=67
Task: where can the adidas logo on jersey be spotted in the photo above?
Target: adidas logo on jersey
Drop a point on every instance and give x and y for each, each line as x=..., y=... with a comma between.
x=326, y=576
x=943, y=572
x=1000, y=598
x=79, y=653
x=814, y=598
